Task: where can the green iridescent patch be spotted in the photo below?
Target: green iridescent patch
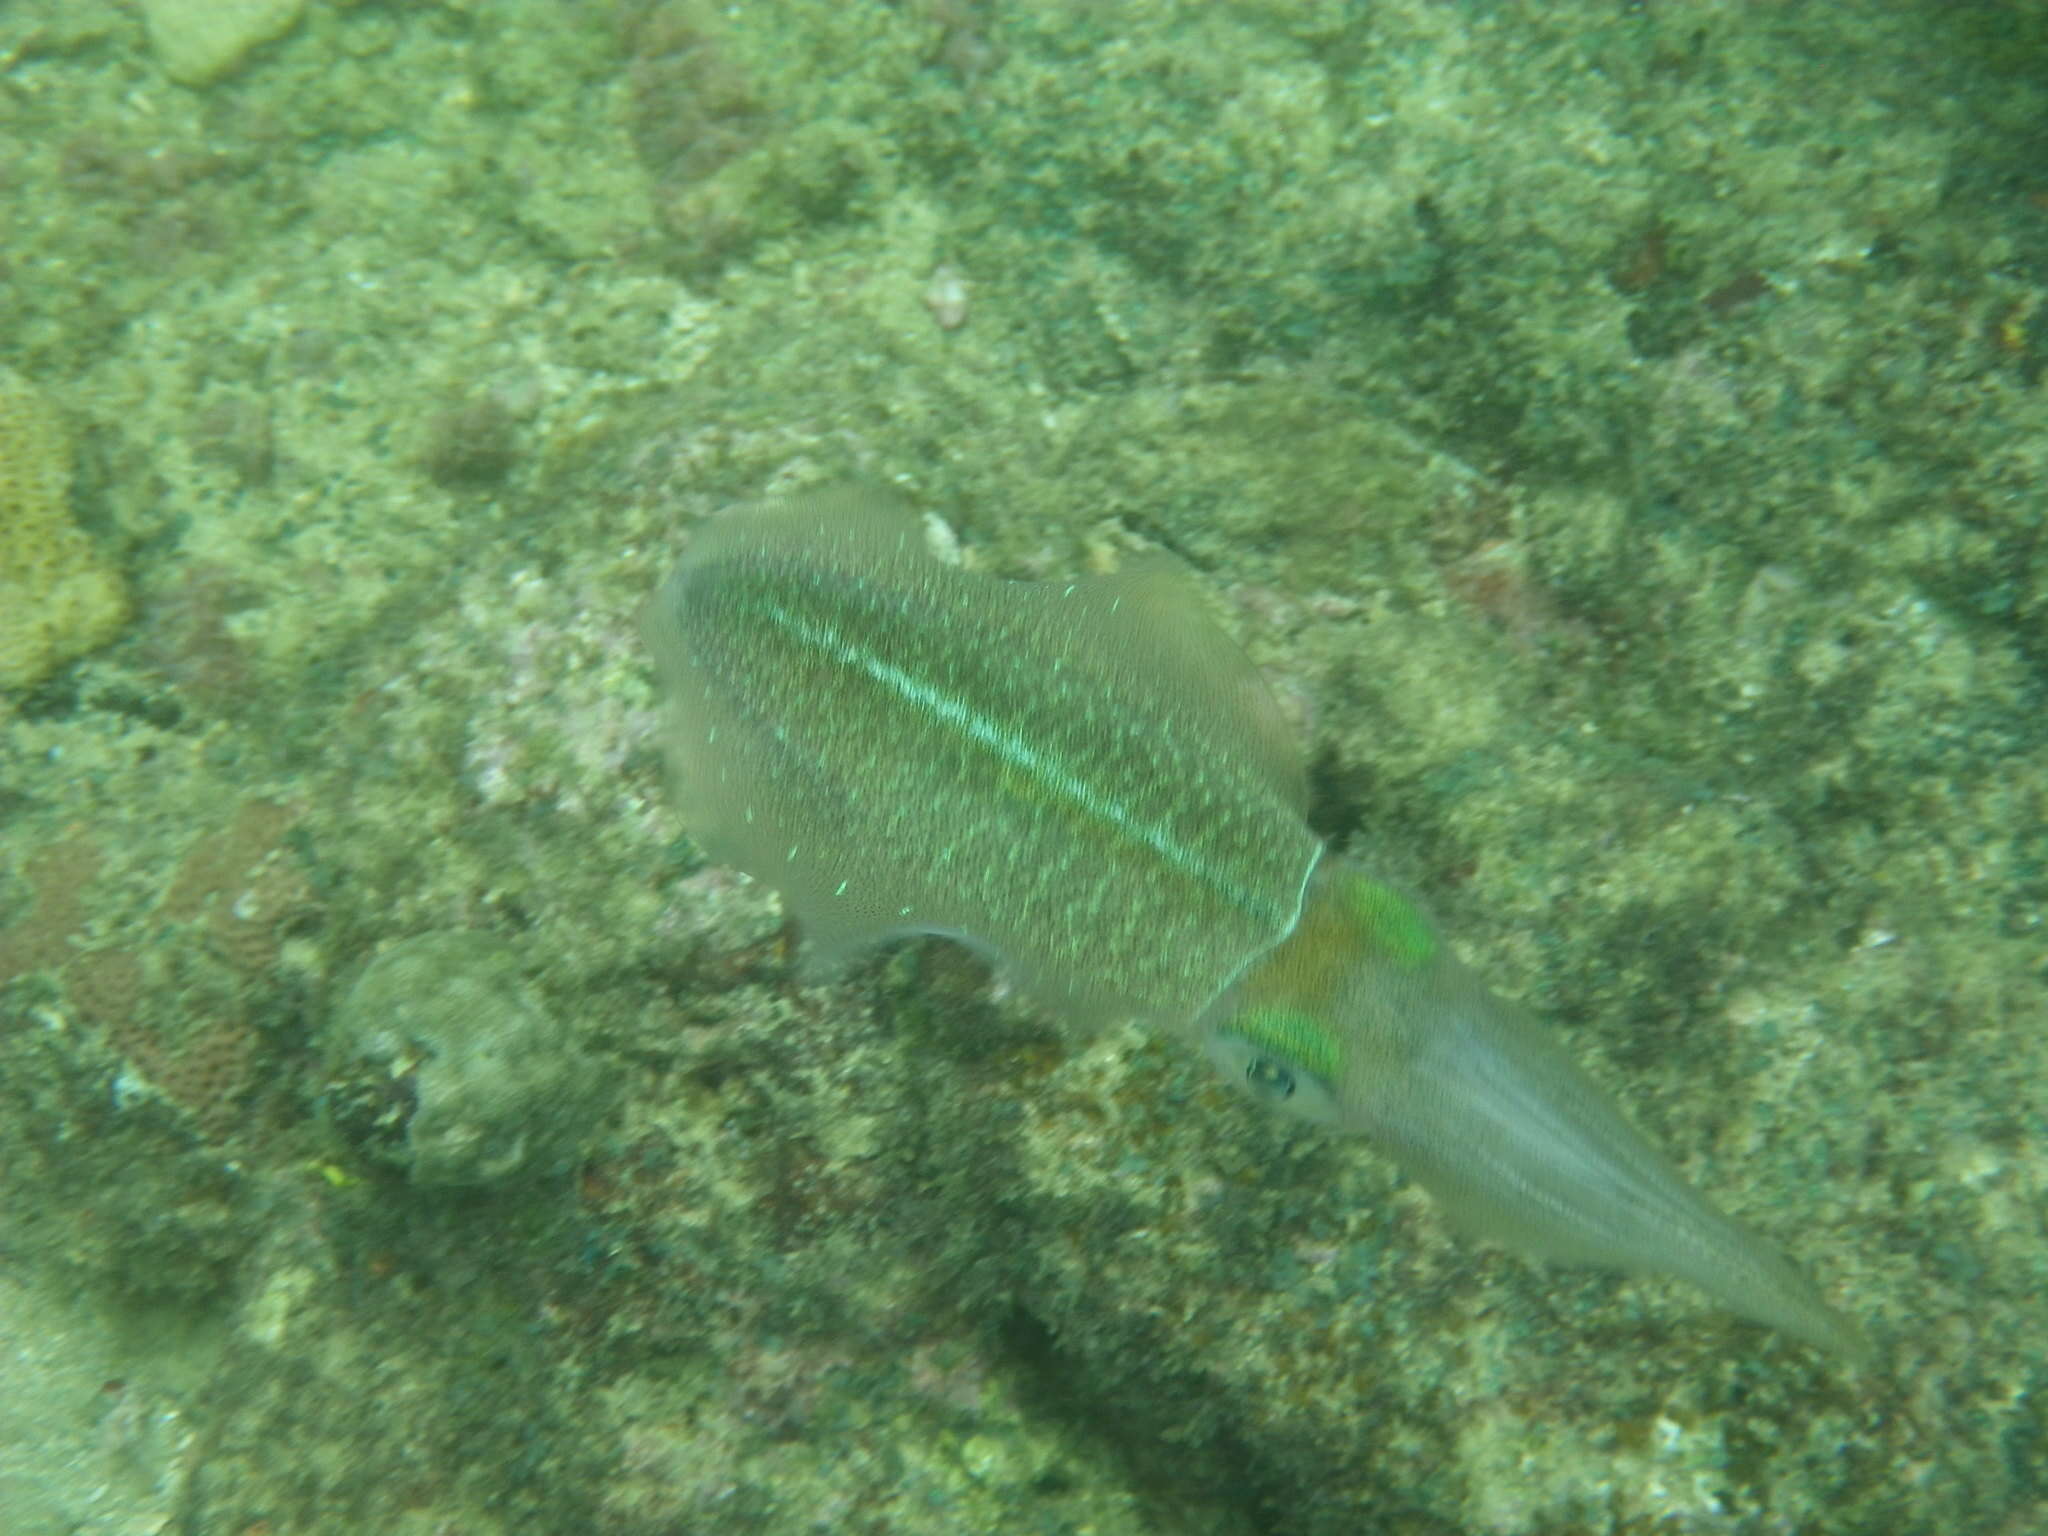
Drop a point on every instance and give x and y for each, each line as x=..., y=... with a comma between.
x=1293, y=1036
x=1392, y=924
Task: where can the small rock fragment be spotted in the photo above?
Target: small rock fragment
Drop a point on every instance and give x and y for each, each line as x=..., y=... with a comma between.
x=946, y=296
x=201, y=41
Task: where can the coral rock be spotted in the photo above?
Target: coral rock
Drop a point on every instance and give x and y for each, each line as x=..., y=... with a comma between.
x=446, y=1064
x=59, y=598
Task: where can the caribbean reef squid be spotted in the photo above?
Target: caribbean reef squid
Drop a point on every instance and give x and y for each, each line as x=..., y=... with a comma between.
x=1087, y=781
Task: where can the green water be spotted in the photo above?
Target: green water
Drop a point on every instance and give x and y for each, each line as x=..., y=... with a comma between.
x=1617, y=434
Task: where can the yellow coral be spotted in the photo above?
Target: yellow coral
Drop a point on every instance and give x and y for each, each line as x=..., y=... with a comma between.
x=58, y=597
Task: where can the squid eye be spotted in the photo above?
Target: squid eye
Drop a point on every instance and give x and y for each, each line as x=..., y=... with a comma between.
x=1268, y=1080
x=1280, y=1079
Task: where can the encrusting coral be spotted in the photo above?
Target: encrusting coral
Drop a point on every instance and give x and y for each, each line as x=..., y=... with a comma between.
x=59, y=597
